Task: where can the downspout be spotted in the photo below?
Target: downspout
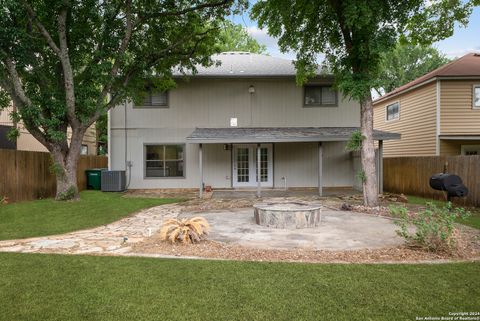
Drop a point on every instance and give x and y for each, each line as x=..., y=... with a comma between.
x=128, y=164
x=109, y=139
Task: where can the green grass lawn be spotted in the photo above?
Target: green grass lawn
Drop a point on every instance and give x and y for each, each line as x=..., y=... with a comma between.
x=473, y=220
x=47, y=217
x=55, y=287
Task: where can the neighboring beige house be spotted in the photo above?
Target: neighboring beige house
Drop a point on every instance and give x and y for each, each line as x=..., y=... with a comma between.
x=228, y=125
x=27, y=142
x=436, y=114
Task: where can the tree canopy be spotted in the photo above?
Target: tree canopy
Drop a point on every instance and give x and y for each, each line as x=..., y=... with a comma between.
x=353, y=35
x=234, y=37
x=64, y=63
x=405, y=63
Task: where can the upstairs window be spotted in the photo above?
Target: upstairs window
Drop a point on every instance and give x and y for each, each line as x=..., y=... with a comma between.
x=84, y=150
x=154, y=99
x=393, y=111
x=320, y=96
x=476, y=96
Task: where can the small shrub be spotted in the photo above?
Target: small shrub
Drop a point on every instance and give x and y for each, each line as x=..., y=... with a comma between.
x=3, y=200
x=185, y=230
x=68, y=194
x=361, y=176
x=434, y=226
x=354, y=143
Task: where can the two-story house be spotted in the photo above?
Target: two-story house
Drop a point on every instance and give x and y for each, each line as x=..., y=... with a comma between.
x=436, y=114
x=228, y=125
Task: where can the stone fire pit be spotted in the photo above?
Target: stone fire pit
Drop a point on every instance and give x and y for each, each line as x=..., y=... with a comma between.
x=291, y=215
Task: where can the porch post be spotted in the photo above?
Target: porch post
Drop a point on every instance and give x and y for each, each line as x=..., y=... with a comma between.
x=320, y=169
x=200, y=166
x=259, y=179
x=380, y=166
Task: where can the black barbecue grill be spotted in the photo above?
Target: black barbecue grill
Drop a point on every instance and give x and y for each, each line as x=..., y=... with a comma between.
x=450, y=183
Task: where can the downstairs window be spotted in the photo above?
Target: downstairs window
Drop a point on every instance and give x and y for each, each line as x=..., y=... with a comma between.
x=164, y=160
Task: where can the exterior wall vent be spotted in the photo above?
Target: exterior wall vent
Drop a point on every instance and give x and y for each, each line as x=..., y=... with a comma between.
x=113, y=181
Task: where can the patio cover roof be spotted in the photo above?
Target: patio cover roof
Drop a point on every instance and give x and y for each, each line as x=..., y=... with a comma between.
x=278, y=134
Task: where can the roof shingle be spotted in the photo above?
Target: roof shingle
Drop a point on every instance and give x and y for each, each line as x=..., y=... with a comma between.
x=278, y=134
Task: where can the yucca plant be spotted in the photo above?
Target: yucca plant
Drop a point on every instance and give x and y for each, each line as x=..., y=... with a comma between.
x=185, y=230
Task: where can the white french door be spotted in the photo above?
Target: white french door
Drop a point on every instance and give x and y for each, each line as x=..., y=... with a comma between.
x=245, y=165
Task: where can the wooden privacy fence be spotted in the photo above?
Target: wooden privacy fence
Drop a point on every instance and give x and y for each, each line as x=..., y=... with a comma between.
x=410, y=175
x=26, y=175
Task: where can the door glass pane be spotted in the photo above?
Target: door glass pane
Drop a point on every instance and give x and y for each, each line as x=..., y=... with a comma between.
x=264, y=164
x=243, y=170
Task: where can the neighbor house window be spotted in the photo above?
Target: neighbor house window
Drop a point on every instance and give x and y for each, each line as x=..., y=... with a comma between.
x=164, y=161
x=84, y=150
x=393, y=111
x=320, y=96
x=154, y=99
x=476, y=96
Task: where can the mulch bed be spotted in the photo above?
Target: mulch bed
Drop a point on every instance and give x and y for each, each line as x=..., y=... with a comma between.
x=468, y=244
x=469, y=249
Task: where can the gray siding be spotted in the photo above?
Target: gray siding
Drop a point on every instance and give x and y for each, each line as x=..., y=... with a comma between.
x=299, y=164
x=211, y=103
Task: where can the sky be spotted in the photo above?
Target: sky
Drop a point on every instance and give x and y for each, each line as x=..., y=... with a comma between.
x=463, y=41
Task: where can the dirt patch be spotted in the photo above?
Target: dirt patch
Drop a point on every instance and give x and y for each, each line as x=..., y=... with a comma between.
x=469, y=249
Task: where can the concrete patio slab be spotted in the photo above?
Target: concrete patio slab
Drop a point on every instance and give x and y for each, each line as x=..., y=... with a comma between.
x=339, y=230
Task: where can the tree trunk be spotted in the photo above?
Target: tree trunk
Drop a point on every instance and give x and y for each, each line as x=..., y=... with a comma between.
x=369, y=176
x=65, y=167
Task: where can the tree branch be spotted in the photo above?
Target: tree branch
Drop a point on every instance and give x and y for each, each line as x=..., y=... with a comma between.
x=341, y=21
x=187, y=10
x=67, y=69
x=41, y=28
x=120, y=53
x=16, y=84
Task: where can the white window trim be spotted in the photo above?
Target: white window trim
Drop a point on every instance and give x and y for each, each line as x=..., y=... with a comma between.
x=386, y=112
x=473, y=96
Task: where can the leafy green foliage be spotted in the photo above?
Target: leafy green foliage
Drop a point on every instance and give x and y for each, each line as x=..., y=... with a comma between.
x=56, y=169
x=101, y=127
x=68, y=194
x=234, y=37
x=361, y=176
x=353, y=35
x=406, y=63
x=65, y=63
x=434, y=226
x=13, y=134
x=354, y=144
